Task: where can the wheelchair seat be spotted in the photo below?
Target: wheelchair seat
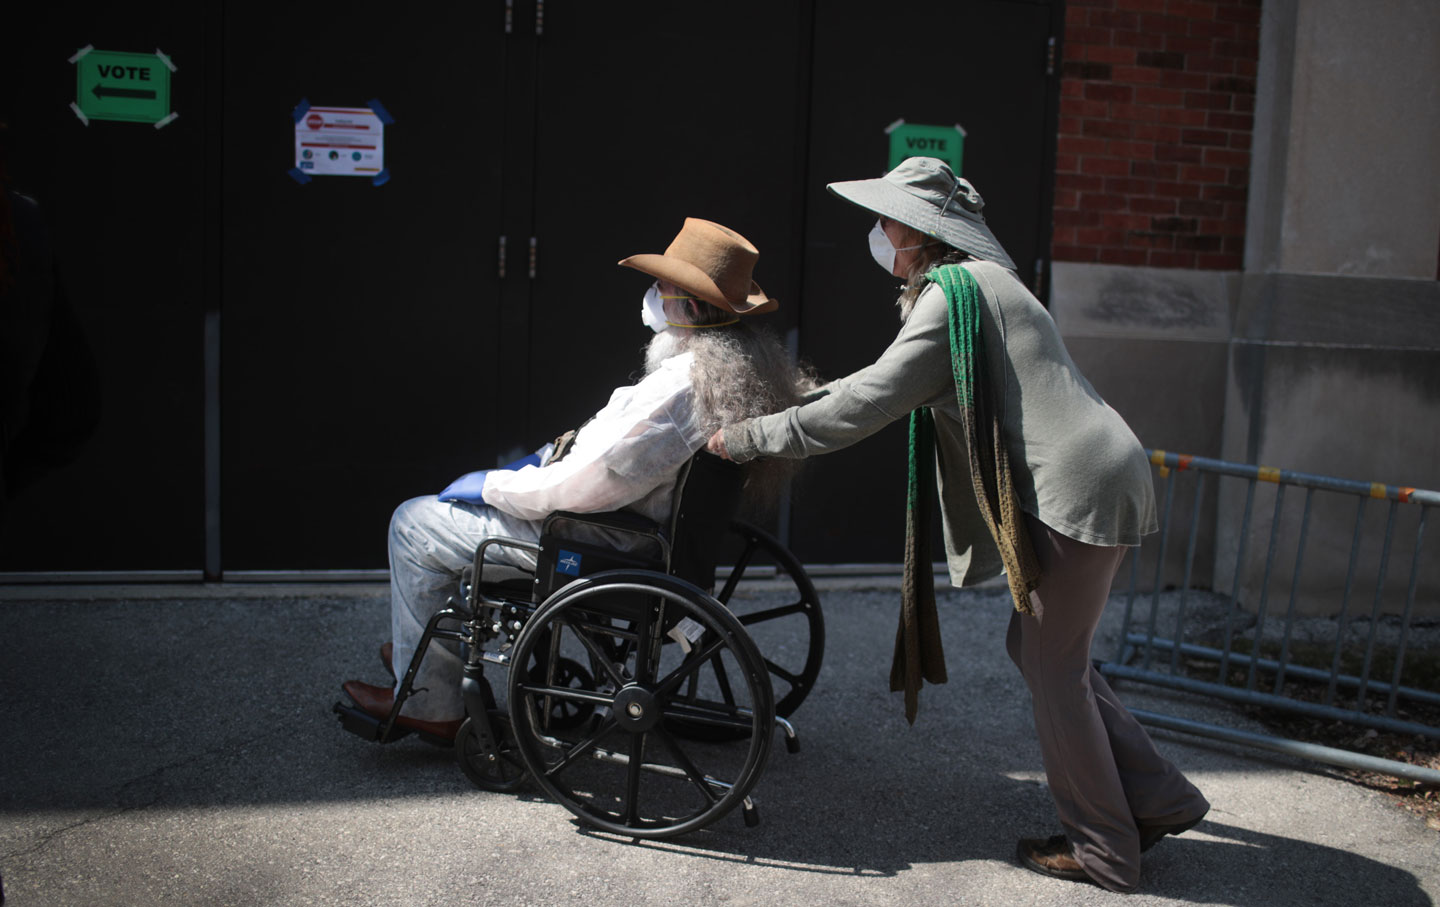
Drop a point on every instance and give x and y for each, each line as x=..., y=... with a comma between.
x=707, y=497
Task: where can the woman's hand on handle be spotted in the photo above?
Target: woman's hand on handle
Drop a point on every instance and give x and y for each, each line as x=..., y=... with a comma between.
x=716, y=445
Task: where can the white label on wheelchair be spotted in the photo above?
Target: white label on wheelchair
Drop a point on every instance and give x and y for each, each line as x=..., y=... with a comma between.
x=687, y=632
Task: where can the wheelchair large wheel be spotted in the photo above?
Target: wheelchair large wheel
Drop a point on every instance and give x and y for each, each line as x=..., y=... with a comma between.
x=659, y=643
x=783, y=618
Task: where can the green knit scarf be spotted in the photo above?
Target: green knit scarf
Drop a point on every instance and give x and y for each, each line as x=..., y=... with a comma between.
x=918, y=653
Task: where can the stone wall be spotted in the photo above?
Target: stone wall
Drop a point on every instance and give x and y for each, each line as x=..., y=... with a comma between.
x=1320, y=353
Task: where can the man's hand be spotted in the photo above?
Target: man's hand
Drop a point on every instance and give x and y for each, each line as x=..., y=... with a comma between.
x=467, y=488
x=716, y=445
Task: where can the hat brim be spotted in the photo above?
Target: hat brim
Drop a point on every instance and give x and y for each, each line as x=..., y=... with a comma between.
x=885, y=198
x=696, y=282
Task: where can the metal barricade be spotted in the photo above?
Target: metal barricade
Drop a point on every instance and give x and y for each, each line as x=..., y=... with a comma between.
x=1347, y=662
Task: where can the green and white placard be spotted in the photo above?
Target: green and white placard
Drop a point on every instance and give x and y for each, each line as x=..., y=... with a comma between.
x=915, y=140
x=114, y=85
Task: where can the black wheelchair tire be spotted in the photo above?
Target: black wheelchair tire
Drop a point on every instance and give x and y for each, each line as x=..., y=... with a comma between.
x=790, y=687
x=593, y=604
x=502, y=771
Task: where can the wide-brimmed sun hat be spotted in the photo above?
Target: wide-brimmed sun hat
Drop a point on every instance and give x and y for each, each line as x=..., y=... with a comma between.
x=711, y=262
x=922, y=192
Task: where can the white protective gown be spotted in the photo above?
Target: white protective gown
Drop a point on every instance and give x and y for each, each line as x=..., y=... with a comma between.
x=626, y=457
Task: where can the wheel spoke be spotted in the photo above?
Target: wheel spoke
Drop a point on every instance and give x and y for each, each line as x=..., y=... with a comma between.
x=772, y=613
x=582, y=748
x=696, y=776
x=507, y=766
x=646, y=656
x=689, y=666
x=504, y=766
x=632, y=779
x=723, y=679
x=567, y=694
x=738, y=570
x=598, y=654
x=782, y=673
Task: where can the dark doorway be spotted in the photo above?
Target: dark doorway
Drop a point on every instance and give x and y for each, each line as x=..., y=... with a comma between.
x=125, y=208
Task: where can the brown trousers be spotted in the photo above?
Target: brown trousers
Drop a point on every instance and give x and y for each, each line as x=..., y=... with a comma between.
x=1104, y=772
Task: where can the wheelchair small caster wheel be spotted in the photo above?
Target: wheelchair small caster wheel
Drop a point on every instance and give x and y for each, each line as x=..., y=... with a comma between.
x=498, y=768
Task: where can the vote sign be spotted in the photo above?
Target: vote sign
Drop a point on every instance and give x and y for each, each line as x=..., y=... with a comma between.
x=110, y=85
x=915, y=140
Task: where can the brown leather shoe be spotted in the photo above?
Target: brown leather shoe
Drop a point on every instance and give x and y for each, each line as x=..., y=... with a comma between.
x=1150, y=835
x=377, y=701
x=387, y=652
x=1052, y=857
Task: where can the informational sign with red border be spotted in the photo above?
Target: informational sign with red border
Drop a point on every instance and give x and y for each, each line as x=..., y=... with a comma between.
x=340, y=141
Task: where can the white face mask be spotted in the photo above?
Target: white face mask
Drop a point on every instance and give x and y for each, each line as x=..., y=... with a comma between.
x=883, y=251
x=652, y=309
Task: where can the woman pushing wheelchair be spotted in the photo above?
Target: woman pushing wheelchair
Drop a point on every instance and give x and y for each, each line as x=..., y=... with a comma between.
x=1037, y=477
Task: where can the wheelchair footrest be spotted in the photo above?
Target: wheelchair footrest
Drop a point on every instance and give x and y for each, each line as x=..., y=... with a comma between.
x=361, y=723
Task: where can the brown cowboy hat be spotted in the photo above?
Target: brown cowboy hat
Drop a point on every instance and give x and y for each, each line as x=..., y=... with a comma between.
x=710, y=262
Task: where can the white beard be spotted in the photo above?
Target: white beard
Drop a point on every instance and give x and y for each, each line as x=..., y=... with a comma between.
x=661, y=347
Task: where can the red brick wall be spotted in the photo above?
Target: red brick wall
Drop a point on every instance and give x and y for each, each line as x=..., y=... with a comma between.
x=1157, y=101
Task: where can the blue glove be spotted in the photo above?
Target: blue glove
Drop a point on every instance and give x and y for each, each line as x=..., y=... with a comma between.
x=532, y=460
x=467, y=488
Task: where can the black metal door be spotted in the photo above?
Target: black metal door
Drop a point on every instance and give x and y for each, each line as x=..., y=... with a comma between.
x=125, y=205
x=981, y=64
x=670, y=111
x=360, y=321
x=386, y=351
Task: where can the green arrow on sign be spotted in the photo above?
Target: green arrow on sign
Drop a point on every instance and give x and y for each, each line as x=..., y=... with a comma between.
x=102, y=92
x=111, y=85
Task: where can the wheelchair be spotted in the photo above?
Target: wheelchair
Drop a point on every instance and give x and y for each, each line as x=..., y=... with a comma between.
x=637, y=696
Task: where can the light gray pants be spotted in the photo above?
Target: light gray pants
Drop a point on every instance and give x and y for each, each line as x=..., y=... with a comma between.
x=1104, y=772
x=431, y=543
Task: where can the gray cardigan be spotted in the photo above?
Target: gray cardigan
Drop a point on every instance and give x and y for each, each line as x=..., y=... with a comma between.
x=1078, y=467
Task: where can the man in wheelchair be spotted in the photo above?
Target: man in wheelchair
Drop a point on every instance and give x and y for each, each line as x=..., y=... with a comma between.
x=705, y=367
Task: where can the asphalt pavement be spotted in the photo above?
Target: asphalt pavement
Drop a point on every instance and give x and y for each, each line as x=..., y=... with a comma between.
x=174, y=745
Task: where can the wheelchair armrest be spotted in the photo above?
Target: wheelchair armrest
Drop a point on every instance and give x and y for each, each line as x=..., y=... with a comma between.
x=477, y=566
x=624, y=521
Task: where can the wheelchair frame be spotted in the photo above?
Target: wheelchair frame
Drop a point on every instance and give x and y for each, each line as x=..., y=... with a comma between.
x=628, y=651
